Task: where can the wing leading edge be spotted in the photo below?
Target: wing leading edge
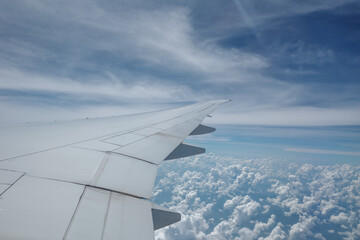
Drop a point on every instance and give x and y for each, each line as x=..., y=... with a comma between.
x=92, y=179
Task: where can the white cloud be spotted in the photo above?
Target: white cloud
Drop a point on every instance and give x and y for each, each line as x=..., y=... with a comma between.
x=156, y=55
x=260, y=12
x=266, y=209
x=221, y=198
x=246, y=233
x=291, y=116
x=321, y=151
x=342, y=218
x=276, y=234
x=230, y=203
x=302, y=229
x=162, y=38
x=326, y=207
x=115, y=89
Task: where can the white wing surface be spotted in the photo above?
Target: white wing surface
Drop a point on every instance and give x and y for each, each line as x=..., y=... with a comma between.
x=92, y=179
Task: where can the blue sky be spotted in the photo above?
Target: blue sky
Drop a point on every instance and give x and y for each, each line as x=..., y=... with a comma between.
x=316, y=145
x=288, y=66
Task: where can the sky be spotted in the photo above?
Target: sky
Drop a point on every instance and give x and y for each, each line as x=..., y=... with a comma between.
x=284, y=64
x=281, y=62
x=290, y=137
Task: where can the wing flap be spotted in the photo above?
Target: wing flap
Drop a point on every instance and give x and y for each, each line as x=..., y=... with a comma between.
x=89, y=218
x=152, y=149
x=35, y=208
x=182, y=130
x=103, y=214
x=128, y=218
x=65, y=164
x=127, y=175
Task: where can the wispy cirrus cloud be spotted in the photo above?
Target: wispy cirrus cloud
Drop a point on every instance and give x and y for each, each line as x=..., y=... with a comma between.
x=322, y=151
x=169, y=52
x=112, y=87
x=289, y=116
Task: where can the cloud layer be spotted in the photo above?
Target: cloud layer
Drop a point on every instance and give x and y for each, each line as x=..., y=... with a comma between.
x=229, y=198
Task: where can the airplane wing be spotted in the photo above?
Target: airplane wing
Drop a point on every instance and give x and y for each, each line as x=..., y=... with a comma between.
x=92, y=179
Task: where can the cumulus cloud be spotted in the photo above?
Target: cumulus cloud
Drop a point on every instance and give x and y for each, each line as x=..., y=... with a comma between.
x=302, y=229
x=342, y=218
x=276, y=233
x=260, y=227
x=224, y=198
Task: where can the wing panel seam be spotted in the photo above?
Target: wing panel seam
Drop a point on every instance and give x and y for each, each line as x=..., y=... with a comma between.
x=106, y=216
x=74, y=214
x=100, y=169
x=10, y=185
